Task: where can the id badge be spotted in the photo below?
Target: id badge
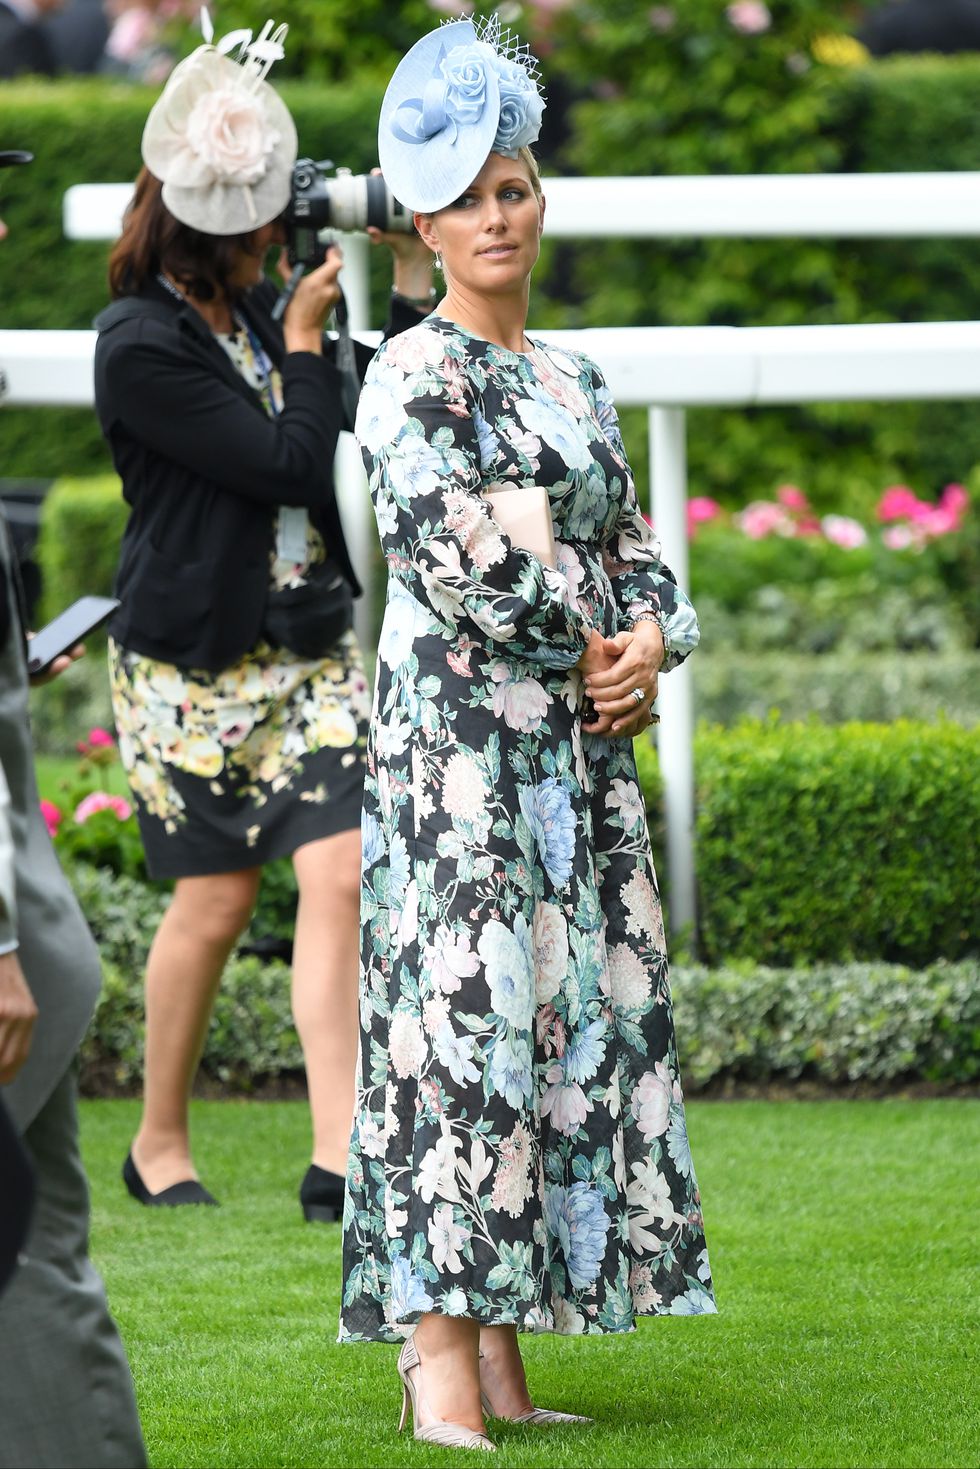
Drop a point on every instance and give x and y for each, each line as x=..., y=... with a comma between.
x=294, y=523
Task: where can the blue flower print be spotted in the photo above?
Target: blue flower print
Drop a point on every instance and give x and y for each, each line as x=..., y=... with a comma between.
x=372, y=840
x=398, y=627
x=414, y=467
x=586, y=513
x=576, y=1218
x=585, y=1051
x=548, y=812
x=399, y=869
x=408, y=1292
x=677, y=1143
x=560, y=430
x=455, y=1052
x=508, y=954
x=694, y=1302
x=511, y=1073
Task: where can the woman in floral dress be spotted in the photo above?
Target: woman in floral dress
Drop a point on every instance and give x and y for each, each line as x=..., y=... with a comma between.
x=520, y=1159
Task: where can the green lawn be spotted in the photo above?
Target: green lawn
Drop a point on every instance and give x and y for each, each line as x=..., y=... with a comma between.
x=843, y=1241
x=55, y=773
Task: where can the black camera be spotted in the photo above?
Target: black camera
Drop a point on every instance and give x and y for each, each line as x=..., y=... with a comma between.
x=349, y=201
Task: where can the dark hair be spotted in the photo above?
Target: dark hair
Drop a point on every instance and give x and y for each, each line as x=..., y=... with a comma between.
x=153, y=240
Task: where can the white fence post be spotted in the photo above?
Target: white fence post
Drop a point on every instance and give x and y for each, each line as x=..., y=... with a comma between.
x=348, y=471
x=675, y=702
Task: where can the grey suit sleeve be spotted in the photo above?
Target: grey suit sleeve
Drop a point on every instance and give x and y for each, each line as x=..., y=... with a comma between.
x=8, y=900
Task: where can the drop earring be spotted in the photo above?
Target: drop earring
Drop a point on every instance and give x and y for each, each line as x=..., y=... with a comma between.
x=438, y=262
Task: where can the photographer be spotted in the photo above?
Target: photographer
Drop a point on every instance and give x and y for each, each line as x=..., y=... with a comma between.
x=238, y=685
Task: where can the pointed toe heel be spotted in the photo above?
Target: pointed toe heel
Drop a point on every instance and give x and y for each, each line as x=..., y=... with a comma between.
x=321, y=1196
x=443, y=1435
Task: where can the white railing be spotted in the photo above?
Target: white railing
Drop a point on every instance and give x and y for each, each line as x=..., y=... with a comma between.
x=666, y=370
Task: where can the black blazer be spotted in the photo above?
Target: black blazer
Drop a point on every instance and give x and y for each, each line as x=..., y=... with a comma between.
x=205, y=469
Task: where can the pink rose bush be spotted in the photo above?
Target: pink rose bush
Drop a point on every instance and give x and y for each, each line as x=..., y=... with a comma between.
x=102, y=801
x=750, y=17
x=905, y=521
x=91, y=824
x=912, y=523
x=52, y=818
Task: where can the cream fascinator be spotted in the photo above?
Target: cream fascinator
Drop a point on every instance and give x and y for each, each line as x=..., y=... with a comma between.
x=219, y=138
x=464, y=91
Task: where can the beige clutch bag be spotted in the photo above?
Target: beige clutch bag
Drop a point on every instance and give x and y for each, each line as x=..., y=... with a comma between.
x=523, y=513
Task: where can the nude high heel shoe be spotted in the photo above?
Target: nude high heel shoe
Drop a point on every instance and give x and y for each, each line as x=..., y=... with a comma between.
x=446, y=1435
x=536, y=1417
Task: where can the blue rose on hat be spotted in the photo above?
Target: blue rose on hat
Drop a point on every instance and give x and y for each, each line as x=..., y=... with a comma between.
x=458, y=95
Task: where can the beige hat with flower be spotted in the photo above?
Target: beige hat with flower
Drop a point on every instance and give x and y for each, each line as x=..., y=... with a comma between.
x=220, y=139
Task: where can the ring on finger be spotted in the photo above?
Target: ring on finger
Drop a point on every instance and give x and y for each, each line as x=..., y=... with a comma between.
x=638, y=697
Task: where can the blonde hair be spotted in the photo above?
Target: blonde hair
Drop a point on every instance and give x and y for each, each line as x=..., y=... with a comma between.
x=531, y=164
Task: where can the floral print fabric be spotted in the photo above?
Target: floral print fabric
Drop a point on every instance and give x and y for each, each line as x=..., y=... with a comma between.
x=519, y=1152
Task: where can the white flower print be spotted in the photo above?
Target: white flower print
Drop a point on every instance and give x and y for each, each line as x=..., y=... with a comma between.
x=650, y=1103
x=464, y=790
x=407, y=1044
x=629, y=978
x=550, y=951
x=645, y=917
x=449, y=960
x=447, y=1238
x=437, y=1171
x=625, y=799
x=521, y=702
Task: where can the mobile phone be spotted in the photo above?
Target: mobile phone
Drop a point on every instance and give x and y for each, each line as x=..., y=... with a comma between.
x=68, y=628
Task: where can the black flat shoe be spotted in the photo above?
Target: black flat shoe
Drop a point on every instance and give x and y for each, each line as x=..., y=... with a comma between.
x=322, y=1196
x=188, y=1192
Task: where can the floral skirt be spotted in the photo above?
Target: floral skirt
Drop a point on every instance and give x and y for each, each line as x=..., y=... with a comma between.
x=233, y=769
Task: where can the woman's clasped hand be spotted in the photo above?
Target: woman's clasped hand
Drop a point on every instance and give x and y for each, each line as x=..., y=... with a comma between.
x=613, y=670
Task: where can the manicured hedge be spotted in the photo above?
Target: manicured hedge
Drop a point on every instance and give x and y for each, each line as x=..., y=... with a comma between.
x=876, y=688
x=849, y=842
x=837, y=1024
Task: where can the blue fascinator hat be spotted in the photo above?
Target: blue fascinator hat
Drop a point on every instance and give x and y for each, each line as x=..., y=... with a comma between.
x=462, y=92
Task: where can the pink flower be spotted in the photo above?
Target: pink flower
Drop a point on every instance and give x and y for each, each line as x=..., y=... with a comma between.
x=841, y=530
x=100, y=738
x=898, y=503
x=52, y=817
x=750, y=17
x=102, y=801
x=662, y=18
x=792, y=497
x=765, y=518
x=956, y=498
x=700, y=511
x=898, y=537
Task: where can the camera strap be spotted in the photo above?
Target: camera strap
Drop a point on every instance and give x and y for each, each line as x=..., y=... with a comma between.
x=350, y=382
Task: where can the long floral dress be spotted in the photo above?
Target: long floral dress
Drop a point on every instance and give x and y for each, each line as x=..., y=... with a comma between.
x=520, y=1152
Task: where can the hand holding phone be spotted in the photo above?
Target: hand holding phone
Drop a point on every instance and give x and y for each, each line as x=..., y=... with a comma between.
x=66, y=630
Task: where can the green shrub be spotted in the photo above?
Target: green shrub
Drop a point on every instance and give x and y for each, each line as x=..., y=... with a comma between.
x=876, y=1023
x=877, y=688
x=82, y=521
x=849, y=842
x=873, y=1023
